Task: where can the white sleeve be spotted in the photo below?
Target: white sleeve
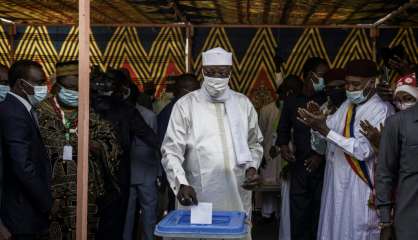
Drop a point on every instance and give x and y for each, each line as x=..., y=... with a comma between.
x=174, y=148
x=359, y=146
x=255, y=138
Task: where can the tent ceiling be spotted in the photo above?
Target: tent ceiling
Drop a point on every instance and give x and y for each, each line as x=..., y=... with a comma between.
x=286, y=12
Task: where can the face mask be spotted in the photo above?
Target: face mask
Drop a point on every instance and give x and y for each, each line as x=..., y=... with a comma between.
x=215, y=86
x=40, y=93
x=404, y=106
x=4, y=89
x=320, y=85
x=357, y=97
x=68, y=97
x=337, y=96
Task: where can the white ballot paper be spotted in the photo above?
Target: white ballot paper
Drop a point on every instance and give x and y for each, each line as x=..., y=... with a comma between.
x=201, y=214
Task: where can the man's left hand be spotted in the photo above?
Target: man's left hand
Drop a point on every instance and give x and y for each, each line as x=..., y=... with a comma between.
x=315, y=121
x=313, y=163
x=252, y=179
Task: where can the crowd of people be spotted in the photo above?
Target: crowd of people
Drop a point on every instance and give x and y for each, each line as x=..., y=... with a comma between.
x=342, y=143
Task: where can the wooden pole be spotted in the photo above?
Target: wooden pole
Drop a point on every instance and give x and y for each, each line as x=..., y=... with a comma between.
x=83, y=119
x=188, y=48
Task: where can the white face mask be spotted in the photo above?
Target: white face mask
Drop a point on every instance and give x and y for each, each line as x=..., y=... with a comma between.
x=215, y=86
x=4, y=89
x=405, y=105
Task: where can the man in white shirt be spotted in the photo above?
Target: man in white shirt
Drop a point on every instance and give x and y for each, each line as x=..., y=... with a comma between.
x=212, y=147
x=347, y=206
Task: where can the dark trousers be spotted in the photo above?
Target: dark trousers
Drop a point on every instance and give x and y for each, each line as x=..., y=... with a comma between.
x=24, y=237
x=142, y=197
x=305, y=203
x=30, y=237
x=112, y=216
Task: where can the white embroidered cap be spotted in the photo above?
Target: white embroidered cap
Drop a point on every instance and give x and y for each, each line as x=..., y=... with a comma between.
x=217, y=57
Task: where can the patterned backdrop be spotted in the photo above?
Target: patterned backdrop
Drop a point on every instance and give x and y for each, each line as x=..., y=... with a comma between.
x=152, y=54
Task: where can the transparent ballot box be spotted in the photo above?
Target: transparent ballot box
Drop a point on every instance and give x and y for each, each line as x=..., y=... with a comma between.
x=225, y=225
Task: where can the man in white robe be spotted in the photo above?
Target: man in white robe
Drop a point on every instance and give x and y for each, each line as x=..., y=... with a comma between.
x=347, y=211
x=212, y=148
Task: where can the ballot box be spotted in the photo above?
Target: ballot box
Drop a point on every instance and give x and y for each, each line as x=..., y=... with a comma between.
x=225, y=225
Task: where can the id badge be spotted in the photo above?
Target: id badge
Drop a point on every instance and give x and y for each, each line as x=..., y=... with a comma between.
x=67, y=153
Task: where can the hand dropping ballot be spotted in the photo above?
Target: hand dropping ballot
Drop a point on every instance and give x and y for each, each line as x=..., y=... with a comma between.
x=201, y=214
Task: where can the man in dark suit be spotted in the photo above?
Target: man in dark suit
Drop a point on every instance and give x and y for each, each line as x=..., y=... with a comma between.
x=144, y=170
x=26, y=180
x=305, y=185
x=4, y=89
x=397, y=176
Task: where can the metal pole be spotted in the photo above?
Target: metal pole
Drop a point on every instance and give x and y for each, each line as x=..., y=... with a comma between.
x=83, y=119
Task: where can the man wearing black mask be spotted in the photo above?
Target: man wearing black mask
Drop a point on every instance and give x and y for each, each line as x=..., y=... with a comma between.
x=116, y=104
x=335, y=90
x=305, y=190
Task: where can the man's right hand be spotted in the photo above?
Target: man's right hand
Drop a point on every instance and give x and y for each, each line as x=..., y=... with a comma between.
x=387, y=233
x=187, y=196
x=287, y=154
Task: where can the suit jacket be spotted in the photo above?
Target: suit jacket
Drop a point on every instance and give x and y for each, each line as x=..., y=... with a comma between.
x=27, y=182
x=145, y=165
x=397, y=173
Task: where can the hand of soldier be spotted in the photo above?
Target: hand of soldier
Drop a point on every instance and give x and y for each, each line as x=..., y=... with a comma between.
x=252, y=179
x=187, y=196
x=387, y=233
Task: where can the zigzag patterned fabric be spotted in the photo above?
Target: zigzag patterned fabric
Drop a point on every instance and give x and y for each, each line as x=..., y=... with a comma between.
x=152, y=54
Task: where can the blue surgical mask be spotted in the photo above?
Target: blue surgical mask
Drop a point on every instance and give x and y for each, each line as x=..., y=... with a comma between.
x=40, y=93
x=320, y=85
x=68, y=97
x=357, y=97
x=4, y=89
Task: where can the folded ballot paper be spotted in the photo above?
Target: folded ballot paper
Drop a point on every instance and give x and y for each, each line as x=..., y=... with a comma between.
x=201, y=214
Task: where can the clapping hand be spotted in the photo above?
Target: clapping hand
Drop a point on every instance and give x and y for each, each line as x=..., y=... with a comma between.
x=371, y=133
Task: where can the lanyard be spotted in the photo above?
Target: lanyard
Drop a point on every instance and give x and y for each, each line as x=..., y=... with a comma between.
x=70, y=126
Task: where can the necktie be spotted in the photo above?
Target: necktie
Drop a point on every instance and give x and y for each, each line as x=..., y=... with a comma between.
x=34, y=116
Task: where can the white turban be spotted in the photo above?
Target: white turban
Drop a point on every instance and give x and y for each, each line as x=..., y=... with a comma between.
x=217, y=57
